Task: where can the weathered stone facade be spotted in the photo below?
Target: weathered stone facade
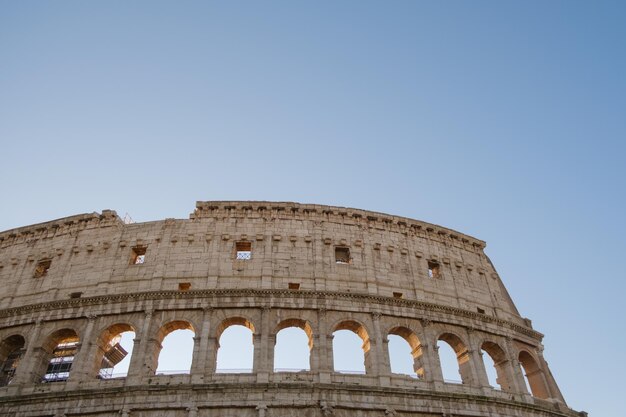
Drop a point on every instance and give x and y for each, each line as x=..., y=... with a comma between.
x=316, y=267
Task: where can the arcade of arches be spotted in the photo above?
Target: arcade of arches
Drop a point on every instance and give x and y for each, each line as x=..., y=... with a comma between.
x=512, y=366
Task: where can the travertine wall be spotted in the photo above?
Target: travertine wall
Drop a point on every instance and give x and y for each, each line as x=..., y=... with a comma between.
x=192, y=279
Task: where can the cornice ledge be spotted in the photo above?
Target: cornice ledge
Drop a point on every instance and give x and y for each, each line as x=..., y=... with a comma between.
x=218, y=386
x=152, y=295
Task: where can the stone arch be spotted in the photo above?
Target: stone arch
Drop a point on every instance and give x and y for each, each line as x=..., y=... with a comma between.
x=500, y=362
x=23, y=333
x=172, y=326
x=299, y=324
x=11, y=352
x=247, y=351
x=416, y=347
x=360, y=330
x=355, y=327
x=462, y=354
x=108, y=350
x=57, y=355
x=234, y=321
x=533, y=374
x=165, y=330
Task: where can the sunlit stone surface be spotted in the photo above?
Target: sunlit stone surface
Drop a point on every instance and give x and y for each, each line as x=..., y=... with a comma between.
x=72, y=286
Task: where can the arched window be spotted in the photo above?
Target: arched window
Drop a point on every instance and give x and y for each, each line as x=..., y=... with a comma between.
x=11, y=351
x=115, y=350
x=60, y=348
x=292, y=352
x=351, y=347
x=454, y=359
x=533, y=375
x=235, y=346
x=176, y=355
x=405, y=352
x=494, y=360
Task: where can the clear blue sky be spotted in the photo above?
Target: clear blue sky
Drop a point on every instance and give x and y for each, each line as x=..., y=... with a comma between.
x=504, y=120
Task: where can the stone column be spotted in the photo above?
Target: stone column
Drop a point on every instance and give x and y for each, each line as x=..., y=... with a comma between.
x=211, y=361
x=271, y=347
x=381, y=364
x=27, y=371
x=263, y=349
x=481, y=378
x=430, y=354
x=375, y=362
x=137, y=367
x=82, y=367
x=201, y=348
x=518, y=383
x=436, y=372
x=323, y=349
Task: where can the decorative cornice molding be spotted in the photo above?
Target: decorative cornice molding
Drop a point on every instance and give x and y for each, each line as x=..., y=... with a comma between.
x=264, y=293
x=541, y=406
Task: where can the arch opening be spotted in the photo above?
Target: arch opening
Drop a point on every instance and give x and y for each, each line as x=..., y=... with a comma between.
x=533, y=376
x=294, y=341
x=405, y=352
x=115, y=346
x=11, y=352
x=454, y=359
x=235, y=352
x=60, y=349
x=175, y=353
x=495, y=362
x=351, y=347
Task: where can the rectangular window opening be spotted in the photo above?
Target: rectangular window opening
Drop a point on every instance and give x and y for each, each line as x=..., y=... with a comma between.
x=138, y=255
x=76, y=294
x=244, y=251
x=294, y=286
x=434, y=270
x=397, y=295
x=184, y=286
x=480, y=310
x=342, y=255
x=41, y=270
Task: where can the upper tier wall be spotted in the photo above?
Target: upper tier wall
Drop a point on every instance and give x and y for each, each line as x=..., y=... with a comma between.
x=90, y=255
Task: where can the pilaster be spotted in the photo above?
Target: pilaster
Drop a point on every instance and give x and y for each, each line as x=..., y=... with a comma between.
x=138, y=366
x=81, y=368
x=201, y=348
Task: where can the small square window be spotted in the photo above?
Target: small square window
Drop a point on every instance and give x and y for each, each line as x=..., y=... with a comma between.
x=76, y=294
x=184, y=286
x=480, y=310
x=244, y=251
x=294, y=286
x=41, y=270
x=138, y=255
x=434, y=270
x=342, y=255
x=397, y=295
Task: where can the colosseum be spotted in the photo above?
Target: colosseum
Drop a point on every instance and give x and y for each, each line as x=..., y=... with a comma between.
x=74, y=285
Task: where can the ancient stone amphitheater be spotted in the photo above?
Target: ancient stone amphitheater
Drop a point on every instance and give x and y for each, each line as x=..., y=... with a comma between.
x=71, y=286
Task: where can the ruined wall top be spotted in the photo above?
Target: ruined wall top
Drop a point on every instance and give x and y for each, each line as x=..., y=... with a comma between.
x=323, y=212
